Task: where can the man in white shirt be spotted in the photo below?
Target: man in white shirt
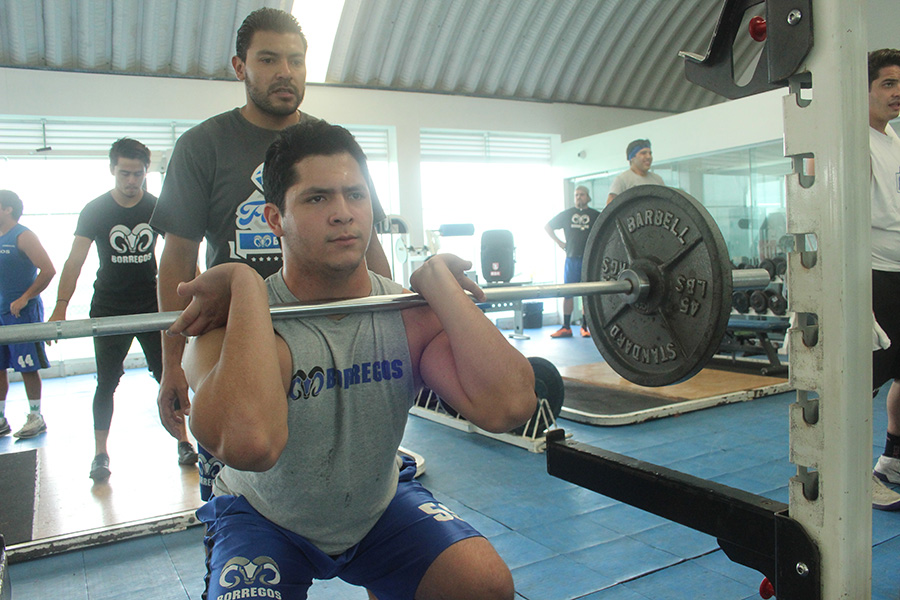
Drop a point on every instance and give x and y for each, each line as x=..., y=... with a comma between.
x=640, y=157
x=884, y=151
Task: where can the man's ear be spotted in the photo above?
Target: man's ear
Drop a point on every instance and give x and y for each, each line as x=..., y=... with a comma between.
x=273, y=218
x=239, y=68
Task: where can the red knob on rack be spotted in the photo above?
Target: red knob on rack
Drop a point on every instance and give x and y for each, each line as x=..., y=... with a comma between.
x=758, y=29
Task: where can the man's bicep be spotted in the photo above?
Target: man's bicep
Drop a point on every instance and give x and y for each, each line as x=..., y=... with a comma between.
x=437, y=369
x=201, y=355
x=31, y=246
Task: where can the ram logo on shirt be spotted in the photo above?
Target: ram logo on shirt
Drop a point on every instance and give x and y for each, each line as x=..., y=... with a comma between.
x=582, y=222
x=310, y=384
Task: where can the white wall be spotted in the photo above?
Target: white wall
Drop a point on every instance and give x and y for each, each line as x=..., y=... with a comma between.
x=731, y=124
x=61, y=94
x=882, y=24
x=56, y=93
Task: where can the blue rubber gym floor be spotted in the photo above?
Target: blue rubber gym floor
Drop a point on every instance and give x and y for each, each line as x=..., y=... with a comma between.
x=562, y=542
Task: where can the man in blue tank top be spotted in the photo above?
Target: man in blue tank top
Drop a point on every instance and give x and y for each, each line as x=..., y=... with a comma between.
x=27, y=271
x=307, y=414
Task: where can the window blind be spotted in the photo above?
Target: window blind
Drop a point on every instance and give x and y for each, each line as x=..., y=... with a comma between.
x=83, y=137
x=484, y=146
x=27, y=136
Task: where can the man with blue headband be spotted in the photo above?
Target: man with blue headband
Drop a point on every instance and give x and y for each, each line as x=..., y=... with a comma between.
x=640, y=157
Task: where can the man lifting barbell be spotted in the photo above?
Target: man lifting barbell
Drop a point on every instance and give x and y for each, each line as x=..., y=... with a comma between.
x=308, y=418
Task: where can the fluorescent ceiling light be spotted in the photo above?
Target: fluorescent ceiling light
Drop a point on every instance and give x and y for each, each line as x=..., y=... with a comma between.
x=319, y=20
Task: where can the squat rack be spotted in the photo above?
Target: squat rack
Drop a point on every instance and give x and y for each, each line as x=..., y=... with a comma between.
x=819, y=545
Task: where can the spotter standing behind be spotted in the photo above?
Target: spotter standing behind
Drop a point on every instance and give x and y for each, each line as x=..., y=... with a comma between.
x=212, y=183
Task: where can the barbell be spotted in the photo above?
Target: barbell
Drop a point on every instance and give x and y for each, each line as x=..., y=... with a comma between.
x=657, y=291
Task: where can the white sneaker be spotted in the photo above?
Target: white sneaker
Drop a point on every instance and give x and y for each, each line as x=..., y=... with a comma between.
x=4, y=426
x=34, y=425
x=887, y=469
x=883, y=497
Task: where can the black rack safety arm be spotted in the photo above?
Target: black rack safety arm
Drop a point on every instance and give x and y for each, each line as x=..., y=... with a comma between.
x=752, y=530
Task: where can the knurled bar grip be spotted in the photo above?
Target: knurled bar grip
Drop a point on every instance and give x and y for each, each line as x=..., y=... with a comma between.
x=140, y=323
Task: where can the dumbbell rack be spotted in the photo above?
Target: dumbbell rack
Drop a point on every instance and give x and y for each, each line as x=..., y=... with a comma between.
x=768, y=307
x=770, y=302
x=532, y=438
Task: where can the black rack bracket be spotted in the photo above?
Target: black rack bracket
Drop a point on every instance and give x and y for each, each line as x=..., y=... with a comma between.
x=789, y=37
x=752, y=530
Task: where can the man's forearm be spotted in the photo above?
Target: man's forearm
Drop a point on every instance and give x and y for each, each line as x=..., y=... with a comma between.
x=39, y=284
x=67, y=282
x=178, y=263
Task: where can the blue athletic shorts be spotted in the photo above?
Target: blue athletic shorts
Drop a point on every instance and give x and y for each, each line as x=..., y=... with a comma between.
x=572, y=271
x=248, y=556
x=209, y=467
x=28, y=357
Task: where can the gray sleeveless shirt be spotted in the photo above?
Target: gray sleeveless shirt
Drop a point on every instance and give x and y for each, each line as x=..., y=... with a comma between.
x=349, y=399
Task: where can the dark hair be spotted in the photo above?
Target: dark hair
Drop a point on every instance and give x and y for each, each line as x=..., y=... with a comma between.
x=11, y=199
x=129, y=148
x=294, y=143
x=879, y=59
x=636, y=146
x=265, y=19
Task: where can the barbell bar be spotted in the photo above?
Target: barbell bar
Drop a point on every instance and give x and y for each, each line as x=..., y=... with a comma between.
x=160, y=321
x=656, y=284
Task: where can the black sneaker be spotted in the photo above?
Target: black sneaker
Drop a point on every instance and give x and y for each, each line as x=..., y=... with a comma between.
x=100, y=468
x=186, y=454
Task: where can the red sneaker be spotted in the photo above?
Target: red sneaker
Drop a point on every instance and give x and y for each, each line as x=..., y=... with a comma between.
x=563, y=332
x=585, y=332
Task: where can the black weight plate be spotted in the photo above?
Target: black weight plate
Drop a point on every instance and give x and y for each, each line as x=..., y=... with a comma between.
x=769, y=265
x=674, y=241
x=548, y=384
x=740, y=300
x=780, y=265
x=777, y=303
x=759, y=300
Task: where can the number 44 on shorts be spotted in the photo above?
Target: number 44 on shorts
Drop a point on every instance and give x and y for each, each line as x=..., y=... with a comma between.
x=25, y=361
x=438, y=511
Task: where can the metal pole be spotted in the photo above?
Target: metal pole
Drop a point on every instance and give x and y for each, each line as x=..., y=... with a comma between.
x=829, y=284
x=140, y=323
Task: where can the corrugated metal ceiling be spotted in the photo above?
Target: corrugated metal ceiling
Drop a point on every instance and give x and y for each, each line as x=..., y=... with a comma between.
x=619, y=53
x=176, y=38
